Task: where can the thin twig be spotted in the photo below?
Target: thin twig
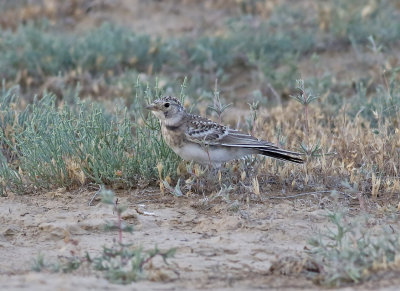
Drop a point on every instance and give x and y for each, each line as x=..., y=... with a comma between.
x=119, y=221
x=94, y=196
x=310, y=193
x=147, y=260
x=276, y=95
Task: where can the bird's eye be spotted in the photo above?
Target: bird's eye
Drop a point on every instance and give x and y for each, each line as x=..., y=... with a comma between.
x=166, y=105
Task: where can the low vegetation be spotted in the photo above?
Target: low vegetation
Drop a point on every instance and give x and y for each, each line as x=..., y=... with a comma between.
x=121, y=263
x=72, y=115
x=47, y=146
x=351, y=252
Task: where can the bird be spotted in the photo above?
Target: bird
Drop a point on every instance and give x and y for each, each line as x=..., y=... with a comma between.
x=198, y=139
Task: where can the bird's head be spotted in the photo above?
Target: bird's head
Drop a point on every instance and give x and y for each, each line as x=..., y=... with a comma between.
x=167, y=109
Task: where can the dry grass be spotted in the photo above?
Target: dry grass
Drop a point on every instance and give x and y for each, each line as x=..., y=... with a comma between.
x=351, y=149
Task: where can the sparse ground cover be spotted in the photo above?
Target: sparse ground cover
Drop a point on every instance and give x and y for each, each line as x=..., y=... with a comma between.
x=323, y=80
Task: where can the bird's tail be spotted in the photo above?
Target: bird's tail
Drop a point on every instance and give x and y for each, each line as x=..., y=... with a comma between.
x=281, y=154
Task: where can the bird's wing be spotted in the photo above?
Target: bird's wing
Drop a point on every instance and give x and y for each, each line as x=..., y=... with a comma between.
x=204, y=131
x=236, y=138
x=207, y=132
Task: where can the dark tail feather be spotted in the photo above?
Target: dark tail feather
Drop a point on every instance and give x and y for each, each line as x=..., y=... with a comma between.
x=281, y=156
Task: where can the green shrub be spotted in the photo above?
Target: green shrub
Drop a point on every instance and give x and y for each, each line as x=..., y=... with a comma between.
x=360, y=19
x=42, y=52
x=350, y=252
x=82, y=143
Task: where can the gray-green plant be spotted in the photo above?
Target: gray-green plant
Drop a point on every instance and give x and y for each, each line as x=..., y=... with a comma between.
x=305, y=98
x=50, y=146
x=120, y=263
x=273, y=46
x=218, y=106
x=350, y=252
x=43, y=52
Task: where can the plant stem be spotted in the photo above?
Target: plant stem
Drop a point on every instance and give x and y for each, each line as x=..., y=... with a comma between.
x=306, y=125
x=119, y=222
x=146, y=261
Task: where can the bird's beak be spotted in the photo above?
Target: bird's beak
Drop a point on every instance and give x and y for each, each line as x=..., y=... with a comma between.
x=151, y=107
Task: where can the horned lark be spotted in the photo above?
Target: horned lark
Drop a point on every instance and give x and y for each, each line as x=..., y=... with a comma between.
x=198, y=139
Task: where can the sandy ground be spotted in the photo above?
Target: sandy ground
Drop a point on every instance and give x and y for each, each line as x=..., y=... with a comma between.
x=217, y=249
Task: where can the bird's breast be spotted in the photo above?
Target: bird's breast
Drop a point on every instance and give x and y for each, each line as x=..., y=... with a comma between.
x=173, y=136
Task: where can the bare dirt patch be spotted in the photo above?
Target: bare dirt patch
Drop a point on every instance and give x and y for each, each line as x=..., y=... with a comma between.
x=216, y=248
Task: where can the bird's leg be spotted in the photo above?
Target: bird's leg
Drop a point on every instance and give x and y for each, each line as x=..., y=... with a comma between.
x=206, y=149
x=193, y=173
x=198, y=173
x=209, y=158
